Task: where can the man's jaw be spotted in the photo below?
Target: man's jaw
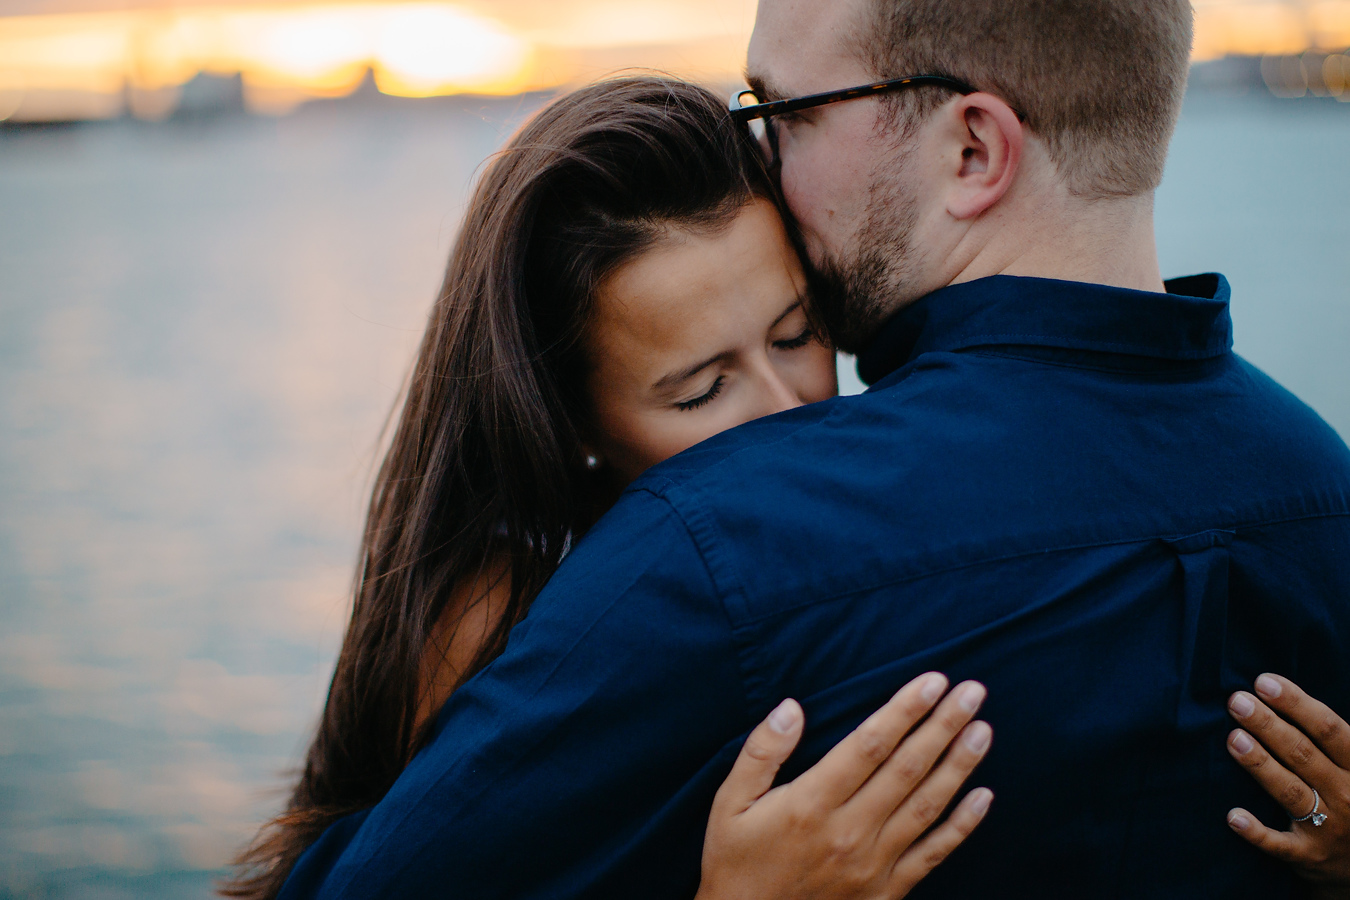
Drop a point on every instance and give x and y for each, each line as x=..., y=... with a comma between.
x=834, y=293
x=855, y=292
x=849, y=299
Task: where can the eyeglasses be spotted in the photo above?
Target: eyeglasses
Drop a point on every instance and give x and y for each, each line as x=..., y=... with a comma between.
x=758, y=115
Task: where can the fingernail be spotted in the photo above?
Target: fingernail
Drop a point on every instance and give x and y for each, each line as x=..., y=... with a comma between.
x=1238, y=822
x=784, y=718
x=1241, y=743
x=971, y=696
x=1242, y=705
x=1268, y=687
x=979, y=803
x=977, y=737
x=933, y=688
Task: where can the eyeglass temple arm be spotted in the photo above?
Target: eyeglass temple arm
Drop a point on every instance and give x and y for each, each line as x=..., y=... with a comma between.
x=778, y=107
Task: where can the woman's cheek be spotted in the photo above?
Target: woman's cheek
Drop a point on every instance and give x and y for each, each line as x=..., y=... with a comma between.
x=674, y=435
x=694, y=428
x=814, y=374
x=828, y=368
x=687, y=428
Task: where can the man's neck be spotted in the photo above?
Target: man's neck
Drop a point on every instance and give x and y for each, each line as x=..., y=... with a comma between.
x=1108, y=242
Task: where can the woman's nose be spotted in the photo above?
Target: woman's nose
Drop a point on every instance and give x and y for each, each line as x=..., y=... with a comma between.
x=779, y=395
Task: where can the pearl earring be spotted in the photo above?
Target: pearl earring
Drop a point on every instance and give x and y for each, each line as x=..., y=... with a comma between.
x=592, y=461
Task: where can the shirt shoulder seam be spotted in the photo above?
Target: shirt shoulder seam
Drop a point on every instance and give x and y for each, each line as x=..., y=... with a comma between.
x=659, y=491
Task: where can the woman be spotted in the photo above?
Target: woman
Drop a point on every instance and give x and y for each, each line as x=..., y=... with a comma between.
x=622, y=288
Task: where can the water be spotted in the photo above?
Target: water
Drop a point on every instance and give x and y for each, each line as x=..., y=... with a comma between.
x=202, y=327
x=1259, y=189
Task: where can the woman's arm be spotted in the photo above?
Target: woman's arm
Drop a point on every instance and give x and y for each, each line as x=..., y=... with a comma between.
x=853, y=826
x=469, y=617
x=1294, y=745
x=848, y=828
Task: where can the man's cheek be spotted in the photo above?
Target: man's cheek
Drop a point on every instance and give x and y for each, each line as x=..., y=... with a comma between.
x=806, y=202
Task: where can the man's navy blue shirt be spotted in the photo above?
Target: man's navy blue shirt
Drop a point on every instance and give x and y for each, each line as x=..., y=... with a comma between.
x=1076, y=494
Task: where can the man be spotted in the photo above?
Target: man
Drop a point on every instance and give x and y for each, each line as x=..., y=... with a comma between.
x=1062, y=483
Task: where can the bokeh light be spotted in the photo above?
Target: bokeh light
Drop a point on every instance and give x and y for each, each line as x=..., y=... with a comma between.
x=1238, y=28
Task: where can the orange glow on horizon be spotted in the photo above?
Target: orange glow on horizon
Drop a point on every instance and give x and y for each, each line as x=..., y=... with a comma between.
x=98, y=65
x=283, y=54
x=1225, y=27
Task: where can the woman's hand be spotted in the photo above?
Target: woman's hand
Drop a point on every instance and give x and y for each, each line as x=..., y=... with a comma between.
x=853, y=826
x=1311, y=750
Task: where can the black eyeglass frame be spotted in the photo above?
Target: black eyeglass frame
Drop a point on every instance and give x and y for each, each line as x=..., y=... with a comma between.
x=777, y=107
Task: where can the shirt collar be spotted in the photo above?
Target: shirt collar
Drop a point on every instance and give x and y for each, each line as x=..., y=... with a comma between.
x=1189, y=322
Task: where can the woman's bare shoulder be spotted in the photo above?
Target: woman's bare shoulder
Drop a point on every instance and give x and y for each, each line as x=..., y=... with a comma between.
x=469, y=618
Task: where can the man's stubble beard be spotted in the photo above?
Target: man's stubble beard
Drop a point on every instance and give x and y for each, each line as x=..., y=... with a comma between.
x=853, y=295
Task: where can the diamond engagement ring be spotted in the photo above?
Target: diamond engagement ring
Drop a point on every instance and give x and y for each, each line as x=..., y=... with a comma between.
x=1317, y=817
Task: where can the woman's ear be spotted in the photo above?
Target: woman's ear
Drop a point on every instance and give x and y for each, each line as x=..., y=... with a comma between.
x=990, y=138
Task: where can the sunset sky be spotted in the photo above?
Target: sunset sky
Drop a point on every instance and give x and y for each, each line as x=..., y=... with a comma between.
x=94, y=58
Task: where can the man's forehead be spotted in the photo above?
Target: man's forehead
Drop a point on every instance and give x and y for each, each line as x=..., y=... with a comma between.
x=797, y=42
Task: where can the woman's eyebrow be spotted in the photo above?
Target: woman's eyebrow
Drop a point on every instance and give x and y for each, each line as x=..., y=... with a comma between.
x=796, y=305
x=673, y=378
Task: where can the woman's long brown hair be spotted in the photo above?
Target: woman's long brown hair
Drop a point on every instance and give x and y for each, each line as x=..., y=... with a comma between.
x=486, y=467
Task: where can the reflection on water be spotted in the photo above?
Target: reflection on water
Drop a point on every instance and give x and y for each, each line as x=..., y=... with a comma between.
x=204, y=325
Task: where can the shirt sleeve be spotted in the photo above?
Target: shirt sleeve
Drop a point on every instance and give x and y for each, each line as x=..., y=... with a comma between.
x=589, y=749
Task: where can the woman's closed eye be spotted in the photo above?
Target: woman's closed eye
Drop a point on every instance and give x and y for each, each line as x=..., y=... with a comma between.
x=796, y=343
x=706, y=398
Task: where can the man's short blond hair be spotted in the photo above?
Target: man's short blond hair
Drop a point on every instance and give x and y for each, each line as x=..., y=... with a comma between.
x=1100, y=81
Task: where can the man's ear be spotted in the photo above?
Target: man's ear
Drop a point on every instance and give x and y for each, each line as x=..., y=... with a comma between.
x=991, y=138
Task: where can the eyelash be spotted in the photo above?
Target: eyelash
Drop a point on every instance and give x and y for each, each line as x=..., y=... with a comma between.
x=796, y=343
x=706, y=398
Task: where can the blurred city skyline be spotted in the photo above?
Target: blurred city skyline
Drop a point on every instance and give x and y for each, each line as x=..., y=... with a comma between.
x=95, y=59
